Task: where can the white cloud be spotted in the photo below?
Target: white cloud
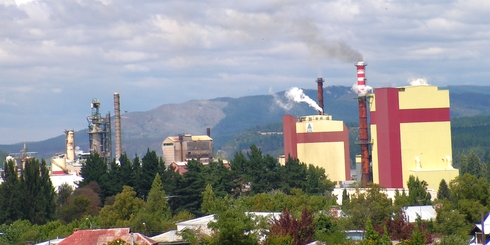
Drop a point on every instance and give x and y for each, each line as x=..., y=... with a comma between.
x=173, y=51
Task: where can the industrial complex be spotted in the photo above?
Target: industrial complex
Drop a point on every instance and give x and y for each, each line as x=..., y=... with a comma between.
x=410, y=134
x=403, y=131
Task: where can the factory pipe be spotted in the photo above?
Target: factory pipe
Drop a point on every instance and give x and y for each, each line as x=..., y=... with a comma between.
x=70, y=144
x=363, y=124
x=117, y=118
x=320, y=95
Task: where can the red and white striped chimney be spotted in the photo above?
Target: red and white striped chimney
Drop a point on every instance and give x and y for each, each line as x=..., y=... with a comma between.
x=361, y=78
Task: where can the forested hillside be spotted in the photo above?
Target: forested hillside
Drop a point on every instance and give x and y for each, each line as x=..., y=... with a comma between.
x=471, y=134
x=229, y=117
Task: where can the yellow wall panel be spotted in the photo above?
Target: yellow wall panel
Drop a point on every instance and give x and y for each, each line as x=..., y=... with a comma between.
x=420, y=97
x=425, y=146
x=374, y=154
x=328, y=155
x=320, y=126
x=434, y=177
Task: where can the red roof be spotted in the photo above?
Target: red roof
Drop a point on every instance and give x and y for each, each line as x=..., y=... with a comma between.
x=102, y=236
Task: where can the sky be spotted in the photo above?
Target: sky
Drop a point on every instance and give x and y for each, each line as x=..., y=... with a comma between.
x=56, y=56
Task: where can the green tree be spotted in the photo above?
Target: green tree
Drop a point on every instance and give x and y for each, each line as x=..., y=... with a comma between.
x=10, y=190
x=370, y=235
x=64, y=191
x=317, y=182
x=453, y=239
x=401, y=199
x=471, y=164
x=416, y=239
x=189, y=196
x=469, y=187
x=83, y=201
x=38, y=196
x=328, y=229
x=345, y=198
x=156, y=211
x=95, y=169
x=126, y=171
x=115, y=182
x=151, y=165
x=219, y=177
x=234, y=226
x=373, y=204
x=449, y=220
x=209, y=202
x=240, y=174
x=417, y=192
x=293, y=174
x=75, y=210
x=263, y=171
x=125, y=207
x=443, y=192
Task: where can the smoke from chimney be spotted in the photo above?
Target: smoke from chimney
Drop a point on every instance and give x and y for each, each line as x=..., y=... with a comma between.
x=295, y=95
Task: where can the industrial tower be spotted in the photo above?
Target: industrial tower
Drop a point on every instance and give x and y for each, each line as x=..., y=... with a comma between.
x=99, y=131
x=364, y=142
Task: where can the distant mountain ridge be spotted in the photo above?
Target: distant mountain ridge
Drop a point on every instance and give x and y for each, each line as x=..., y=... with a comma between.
x=227, y=117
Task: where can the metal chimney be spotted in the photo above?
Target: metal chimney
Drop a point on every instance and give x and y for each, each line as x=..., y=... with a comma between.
x=117, y=118
x=320, y=94
x=363, y=124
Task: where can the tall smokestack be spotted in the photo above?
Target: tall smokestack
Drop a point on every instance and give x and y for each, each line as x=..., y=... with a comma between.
x=320, y=95
x=363, y=124
x=117, y=118
x=208, y=132
x=70, y=144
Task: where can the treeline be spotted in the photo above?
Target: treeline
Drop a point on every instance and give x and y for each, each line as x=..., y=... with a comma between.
x=149, y=198
x=120, y=194
x=470, y=134
x=247, y=174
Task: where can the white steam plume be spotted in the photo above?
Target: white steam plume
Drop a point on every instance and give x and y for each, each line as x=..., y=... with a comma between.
x=361, y=90
x=418, y=81
x=277, y=99
x=296, y=94
x=293, y=95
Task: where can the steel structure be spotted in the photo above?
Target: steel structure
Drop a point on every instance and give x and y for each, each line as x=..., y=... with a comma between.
x=363, y=124
x=99, y=131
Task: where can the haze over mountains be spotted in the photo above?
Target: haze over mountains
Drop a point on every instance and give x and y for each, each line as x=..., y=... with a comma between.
x=227, y=117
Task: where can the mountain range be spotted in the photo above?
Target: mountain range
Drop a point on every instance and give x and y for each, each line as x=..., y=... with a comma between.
x=229, y=117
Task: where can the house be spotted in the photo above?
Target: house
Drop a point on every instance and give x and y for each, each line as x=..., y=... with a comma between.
x=476, y=232
x=103, y=236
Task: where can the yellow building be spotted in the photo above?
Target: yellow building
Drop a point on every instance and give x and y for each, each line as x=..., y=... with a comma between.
x=320, y=141
x=411, y=134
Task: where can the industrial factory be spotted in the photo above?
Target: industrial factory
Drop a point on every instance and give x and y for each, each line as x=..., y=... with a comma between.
x=318, y=140
x=66, y=166
x=177, y=150
x=410, y=135
x=403, y=131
